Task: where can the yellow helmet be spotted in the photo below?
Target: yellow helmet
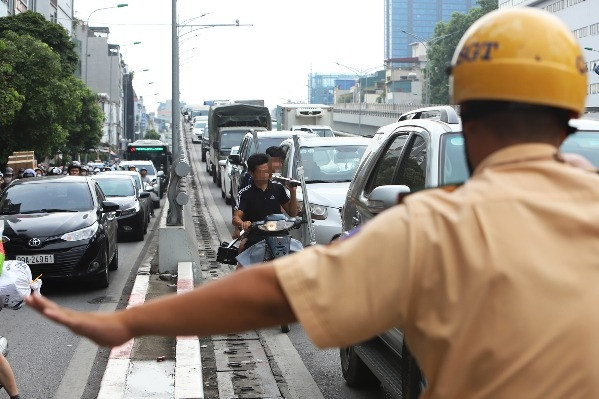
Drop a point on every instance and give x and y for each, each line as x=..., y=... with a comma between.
x=520, y=55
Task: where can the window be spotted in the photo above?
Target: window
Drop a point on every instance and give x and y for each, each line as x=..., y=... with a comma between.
x=385, y=168
x=412, y=171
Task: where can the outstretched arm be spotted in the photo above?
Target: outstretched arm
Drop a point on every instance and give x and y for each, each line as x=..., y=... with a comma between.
x=245, y=300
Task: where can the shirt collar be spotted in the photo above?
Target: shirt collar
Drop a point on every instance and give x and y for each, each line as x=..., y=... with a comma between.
x=518, y=153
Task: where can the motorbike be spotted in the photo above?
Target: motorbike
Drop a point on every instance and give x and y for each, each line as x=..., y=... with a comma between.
x=277, y=243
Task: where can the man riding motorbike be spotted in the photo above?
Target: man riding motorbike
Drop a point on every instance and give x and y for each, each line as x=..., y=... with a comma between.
x=261, y=198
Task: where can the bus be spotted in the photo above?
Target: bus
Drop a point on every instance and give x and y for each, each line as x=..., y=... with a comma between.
x=150, y=150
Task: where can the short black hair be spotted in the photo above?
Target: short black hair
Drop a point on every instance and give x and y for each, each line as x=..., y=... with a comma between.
x=275, y=151
x=256, y=160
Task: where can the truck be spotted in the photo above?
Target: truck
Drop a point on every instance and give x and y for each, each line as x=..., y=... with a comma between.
x=317, y=118
x=227, y=124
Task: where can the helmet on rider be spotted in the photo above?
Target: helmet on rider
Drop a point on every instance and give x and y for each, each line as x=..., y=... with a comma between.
x=54, y=171
x=8, y=171
x=74, y=168
x=29, y=173
x=493, y=64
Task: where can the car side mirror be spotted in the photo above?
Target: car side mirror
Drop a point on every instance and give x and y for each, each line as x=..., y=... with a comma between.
x=160, y=174
x=148, y=187
x=235, y=159
x=144, y=194
x=384, y=197
x=109, y=206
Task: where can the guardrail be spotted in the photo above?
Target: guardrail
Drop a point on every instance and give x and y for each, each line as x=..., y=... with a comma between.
x=177, y=189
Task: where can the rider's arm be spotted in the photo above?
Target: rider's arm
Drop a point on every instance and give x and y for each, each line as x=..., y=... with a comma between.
x=238, y=221
x=291, y=205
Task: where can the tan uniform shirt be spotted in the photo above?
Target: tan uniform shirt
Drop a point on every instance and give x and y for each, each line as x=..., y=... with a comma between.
x=496, y=285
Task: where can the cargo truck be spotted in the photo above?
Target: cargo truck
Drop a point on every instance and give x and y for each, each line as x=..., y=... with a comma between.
x=227, y=125
x=306, y=117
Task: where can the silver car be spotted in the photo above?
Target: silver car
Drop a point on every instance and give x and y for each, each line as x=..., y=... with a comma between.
x=226, y=188
x=329, y=166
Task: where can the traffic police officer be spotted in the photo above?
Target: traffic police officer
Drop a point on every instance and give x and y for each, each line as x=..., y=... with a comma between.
x=494, y=284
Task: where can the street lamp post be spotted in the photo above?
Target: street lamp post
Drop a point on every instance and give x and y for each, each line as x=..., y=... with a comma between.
x=426, y=45
x=87, y=33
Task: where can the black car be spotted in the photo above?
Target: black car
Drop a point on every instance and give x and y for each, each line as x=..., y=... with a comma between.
x=120, y=189
x=62, y=227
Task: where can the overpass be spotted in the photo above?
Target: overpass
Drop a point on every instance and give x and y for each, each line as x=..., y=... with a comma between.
x=365, y=119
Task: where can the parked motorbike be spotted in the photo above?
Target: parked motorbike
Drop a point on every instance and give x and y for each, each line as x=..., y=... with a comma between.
x=277, y=243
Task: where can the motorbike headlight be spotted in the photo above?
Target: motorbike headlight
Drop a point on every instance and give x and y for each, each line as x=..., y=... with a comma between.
x=83, y=234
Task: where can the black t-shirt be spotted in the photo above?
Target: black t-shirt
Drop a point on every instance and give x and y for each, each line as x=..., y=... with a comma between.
x=257, y=204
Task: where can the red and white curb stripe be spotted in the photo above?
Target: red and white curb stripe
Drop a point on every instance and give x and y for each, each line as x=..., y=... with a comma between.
x=188, y=366
x=115, y=376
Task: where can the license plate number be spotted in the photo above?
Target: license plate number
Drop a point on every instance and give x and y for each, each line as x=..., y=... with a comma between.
x=33, y=259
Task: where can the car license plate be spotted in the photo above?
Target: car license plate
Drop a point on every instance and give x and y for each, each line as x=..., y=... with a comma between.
x=33, y=259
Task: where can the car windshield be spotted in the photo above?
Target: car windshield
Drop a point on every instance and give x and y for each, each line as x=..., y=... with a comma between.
x=264, y=143
x=331, y=164
x=454, y=168
x=231, y=138
x=116, y=187
x=46, y=197
x=585, y=143
x=199, y=125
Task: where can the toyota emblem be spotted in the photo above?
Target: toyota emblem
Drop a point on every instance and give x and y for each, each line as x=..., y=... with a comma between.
x=35, y=242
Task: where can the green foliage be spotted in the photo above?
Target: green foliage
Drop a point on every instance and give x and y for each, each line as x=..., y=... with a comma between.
x=54, y=35
x=11, y=100
x=152, y=135
x=85, y=131
x=441, y=51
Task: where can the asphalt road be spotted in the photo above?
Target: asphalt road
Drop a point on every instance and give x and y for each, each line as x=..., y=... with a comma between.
x=323, y=365
x=51, y=362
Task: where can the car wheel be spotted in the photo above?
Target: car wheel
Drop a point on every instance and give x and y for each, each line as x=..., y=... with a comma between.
x=114, y=263
x=218, y=178
x=139, y=233
x=208, y=168
x=355, y=371
x=203, y=156
x=102, y=278
x=228, y=197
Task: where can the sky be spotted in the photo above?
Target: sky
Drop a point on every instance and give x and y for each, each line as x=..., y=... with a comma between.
x=268, y=57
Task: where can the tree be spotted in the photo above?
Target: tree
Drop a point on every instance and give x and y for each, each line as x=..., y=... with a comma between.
x=85, y=131
x=11, y=100
x=152, y=135
x=54, y=35
x=441, y=51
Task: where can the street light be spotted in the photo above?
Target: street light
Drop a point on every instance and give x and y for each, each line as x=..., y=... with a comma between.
x=87, y=33
x=426, y=45
x=361, y=74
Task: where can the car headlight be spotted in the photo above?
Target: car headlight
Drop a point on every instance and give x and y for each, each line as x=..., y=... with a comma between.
x=83, y=234
x=317, y=212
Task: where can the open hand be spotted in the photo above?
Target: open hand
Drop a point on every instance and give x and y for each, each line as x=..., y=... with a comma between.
x=105, y=329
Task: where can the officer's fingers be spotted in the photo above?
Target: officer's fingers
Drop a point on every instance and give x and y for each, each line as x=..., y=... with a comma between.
x=39, y=302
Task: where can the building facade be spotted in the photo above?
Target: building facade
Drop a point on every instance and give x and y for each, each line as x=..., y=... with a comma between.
x=582, y=17
x=58, y=11
x=407, y=21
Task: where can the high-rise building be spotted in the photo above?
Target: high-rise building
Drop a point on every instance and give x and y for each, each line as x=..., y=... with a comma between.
x=582, y=17
x=418, y=18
